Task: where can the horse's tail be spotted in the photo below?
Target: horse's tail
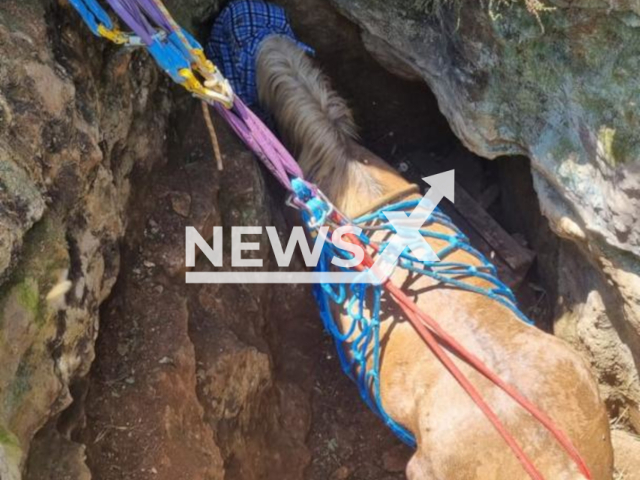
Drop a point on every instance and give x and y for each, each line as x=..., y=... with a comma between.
x=313, y=119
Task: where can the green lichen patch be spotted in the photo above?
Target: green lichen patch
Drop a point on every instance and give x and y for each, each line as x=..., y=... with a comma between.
x=625, y=146
x=21, y=383
x=29, y=296
x=7, y=438
x=582, y=67
x=10, y=452
x=494, y=7
x=44, y=257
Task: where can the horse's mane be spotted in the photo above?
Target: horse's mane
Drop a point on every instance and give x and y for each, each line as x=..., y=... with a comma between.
x=314, y=121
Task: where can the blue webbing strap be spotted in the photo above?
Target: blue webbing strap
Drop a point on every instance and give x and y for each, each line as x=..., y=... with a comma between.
x=92, y=14
x=166, y=47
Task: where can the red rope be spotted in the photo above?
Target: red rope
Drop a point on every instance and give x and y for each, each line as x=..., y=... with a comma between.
x=420, y=321
x=475, y=362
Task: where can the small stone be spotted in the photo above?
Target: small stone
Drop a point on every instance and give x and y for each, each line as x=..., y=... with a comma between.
x=536, y=288
x=626, y=448
x=520, y=238
x=395, y=460
x=332, y=445
x=403, y=167
x=341, y=473
x=166, y=361
x=154, y=471
x=158, y=289
x=181, y=203
x=130, y=380
x=149, y=264
x=123, y=349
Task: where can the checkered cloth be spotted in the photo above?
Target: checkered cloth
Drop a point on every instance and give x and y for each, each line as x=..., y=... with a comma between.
x=235, y=38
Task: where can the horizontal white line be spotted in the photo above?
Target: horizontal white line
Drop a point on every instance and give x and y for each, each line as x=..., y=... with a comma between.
x=278, y=277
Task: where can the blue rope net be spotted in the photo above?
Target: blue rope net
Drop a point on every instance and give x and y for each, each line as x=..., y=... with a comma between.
x=359, y=346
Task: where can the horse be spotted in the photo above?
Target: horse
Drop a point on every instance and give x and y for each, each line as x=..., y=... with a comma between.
x=454, y=440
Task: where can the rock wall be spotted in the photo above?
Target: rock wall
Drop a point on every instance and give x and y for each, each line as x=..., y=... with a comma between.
x=562, y=89
x=102, y=164
x=76, y=117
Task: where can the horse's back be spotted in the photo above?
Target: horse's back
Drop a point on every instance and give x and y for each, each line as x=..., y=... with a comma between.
x=456, y=441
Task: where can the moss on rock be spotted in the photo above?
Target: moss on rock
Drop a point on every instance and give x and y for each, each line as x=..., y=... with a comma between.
x=45, y=256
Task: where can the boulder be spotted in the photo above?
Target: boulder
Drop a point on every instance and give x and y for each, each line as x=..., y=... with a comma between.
x=627, y=454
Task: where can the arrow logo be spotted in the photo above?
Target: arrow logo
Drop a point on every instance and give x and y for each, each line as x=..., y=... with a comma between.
x=407, y=227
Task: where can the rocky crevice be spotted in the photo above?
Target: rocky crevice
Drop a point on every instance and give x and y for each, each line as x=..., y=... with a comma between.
x=551, y=89
x=184, y=385
x=103, y=164
x=188, y=371
x=68, y=101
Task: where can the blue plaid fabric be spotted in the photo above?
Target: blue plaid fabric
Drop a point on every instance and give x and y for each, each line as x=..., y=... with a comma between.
x=235, y=39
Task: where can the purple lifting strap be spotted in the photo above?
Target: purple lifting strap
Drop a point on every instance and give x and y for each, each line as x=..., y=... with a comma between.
x=142, y=16
x=262, y=142
x=136, y=14
x=155, y=14
x=130, y=13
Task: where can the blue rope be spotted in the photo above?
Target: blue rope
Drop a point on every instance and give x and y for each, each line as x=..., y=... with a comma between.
x=359, y=345
x=449, y=272
x=361, y=359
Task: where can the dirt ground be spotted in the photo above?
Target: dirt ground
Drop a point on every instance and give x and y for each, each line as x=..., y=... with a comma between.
x=144, y=419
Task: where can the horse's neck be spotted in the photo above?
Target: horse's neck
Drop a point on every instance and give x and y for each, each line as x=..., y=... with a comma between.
x=392, y=186
x=318, y=127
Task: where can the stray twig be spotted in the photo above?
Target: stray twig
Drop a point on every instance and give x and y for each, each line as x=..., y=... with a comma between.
x=618, y=420
x=212, y=134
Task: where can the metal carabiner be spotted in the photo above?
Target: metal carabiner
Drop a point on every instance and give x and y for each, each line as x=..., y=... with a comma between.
x=135, y=41
x=294, y=202
x=205, y=67
x=117, y=36
x=217, y=83
x=204, y=92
